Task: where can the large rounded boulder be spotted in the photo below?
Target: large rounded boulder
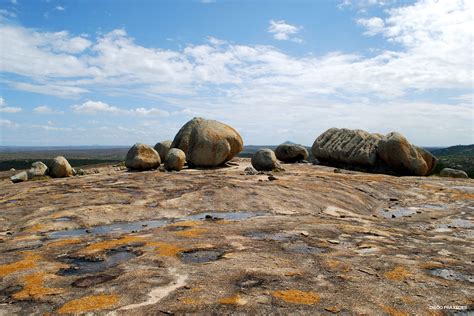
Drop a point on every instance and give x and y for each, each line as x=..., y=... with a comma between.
x=403, y=157
x=175, y=159
x=162, y=149
x=291, y=153
x=142, y=157
x=60, y=168
x=264, y=160
x=207, y=143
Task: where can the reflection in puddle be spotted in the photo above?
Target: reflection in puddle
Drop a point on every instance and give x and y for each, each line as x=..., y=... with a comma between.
x=201, y=255
x=398, y=212
x=112, y=228
x=79, y=266
x=148, y=224
x=451, y=275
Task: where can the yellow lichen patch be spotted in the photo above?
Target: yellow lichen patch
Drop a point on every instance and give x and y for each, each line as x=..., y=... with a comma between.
x=397, y=274
x=297, y=296
x=293, y=273
x=29, y=261
x=110, y=244
x=33, y=287
x=64, y=242
x=233, y=300
x=165, y=249
x=407, y=300
x=36, y=228
x=393, y=312
x=193, y=232
x=89, y=304
x=336, y=265
x=186, y=224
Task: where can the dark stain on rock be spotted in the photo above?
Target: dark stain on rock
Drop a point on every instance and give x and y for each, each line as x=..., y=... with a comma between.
x=92, y=280
x=202, y=255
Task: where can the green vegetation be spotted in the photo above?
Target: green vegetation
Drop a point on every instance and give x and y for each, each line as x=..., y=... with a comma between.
x=456, y=157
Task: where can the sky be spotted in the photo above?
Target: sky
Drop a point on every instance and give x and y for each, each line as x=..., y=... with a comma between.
x=117, y=72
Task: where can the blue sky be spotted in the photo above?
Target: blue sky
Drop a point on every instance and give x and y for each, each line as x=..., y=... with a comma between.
x=120, y=72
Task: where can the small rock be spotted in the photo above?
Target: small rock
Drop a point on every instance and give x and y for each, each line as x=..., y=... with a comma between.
x=175, y=159
x=304, y=233
x=291, y=153
x=333, y=309
x=334, y=241
x=264, y=160
x=337, y=170
x=250, y=171
x=315, y=161
x=453, y=173
x=81, y=172
x=12, y=169
x=272, y=178
x=19, y=177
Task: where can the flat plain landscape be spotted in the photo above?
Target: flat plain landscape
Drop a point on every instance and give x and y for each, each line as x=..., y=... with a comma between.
x=311, y=241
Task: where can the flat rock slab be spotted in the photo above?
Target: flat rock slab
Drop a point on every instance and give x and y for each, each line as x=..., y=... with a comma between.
x=222, y=242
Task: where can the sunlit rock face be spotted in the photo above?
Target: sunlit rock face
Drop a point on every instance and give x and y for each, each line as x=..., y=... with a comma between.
x=360, y=150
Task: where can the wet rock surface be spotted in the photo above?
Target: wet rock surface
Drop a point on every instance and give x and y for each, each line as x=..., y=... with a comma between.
x=220, y=242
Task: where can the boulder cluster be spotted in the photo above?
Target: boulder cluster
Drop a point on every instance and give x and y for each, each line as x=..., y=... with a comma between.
x=199, y=143
x=360, y=150
x=58, y=168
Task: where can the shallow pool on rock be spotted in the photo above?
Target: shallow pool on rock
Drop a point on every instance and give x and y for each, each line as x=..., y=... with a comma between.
x=397, y=212
x=202, y=255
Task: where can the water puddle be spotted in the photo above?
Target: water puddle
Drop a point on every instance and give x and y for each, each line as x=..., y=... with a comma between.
x=436, y=207
x=451, y=275
x=106, y=229
x=202, y=255
x=92, y=280
x=457, y=223
x=398, y=212
x=80, y=266
x=302, y=248
x=131, y=227
x=63, y=219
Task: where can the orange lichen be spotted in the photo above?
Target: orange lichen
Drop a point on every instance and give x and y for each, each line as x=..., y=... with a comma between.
x=397, y=274
x=165, y=249
x=232, y=300
x=29, y=261
x=64, y=242
x=293, y=273
x=336, y=265
x=36, y=228
x=189, y=301
x=431, y=265
x=110, y=244
x=194, y=232
x=297, y=296
x=33, y=287
x=89, y=304
x=393, y=312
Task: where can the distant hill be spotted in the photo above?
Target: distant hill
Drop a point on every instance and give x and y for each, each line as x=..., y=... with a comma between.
x=459, y=150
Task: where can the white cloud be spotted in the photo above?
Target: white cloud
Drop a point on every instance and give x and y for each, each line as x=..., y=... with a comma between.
x=243, y=84
x=7, y=109
x=283, y=31
x=44, y=109
x=6, y=14
x=59, y=8
x=13, y=1
x=7, y=123
x=53, y=128
x=374, y=25
x=94, y=107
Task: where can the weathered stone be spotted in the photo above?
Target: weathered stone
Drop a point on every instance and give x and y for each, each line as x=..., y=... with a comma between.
x=403, y=157
x=19, y=177
x=162, y=149
x=208, y=143
x=264, y=160
x=347, y=146
x=453, y=173
x=175, y=159
x=250, y=171
x=38, y=169
x=291, y=153
x=142, y=157
x=60, y=168
x=431, y=161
